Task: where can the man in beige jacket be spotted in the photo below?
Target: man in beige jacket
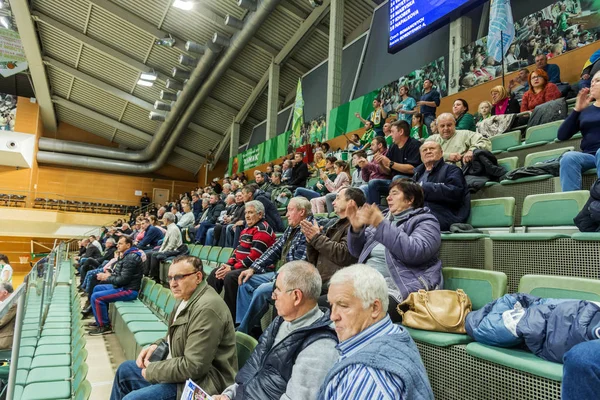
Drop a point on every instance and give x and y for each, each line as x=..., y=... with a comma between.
x=457, y=145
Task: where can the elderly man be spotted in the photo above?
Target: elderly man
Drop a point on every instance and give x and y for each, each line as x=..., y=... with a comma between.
x=297, y=349
x=444, y=186
x=187, y=219
x=378, y=180
x=254, y=241
x=171, y=242
x=151, y=238
x=457, y=145
x=252, y=192
x=255, y=284
x=328, y=249
x=378, y=359
x=231, y=222
x=120, y=284
x=201, y=343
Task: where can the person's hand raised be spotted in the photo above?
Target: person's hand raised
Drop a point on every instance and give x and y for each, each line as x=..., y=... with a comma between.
x=352, y=215
x=370, y=214
x=583, y=100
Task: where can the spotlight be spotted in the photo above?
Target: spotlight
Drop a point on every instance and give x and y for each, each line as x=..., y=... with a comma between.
x=154, y=116
x=249, y=5
x=173, y=84
x=183, y=4
x=187, y=60
x=149, y=76
x=220, y=39
x=167, y=42
x=233, y=22
x=5, y=21
x=180, y=74
x=194, y=47
x=142, y=82
x=159, y=105
x=164, y=95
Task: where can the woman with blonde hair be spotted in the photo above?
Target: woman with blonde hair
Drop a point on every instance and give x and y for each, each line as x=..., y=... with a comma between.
x=503, y=103
x=342, y=180
x=320, y=160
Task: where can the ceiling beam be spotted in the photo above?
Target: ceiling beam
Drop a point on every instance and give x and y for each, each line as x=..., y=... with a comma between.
x=305, y=28
x=293, y=11
x=240, y=77
x=98, y=84
x=264, y=47
x=205, y=132
x=33, y=53
x=138, y=22
x=221, y=106
x=119, y=125
x=295, y=65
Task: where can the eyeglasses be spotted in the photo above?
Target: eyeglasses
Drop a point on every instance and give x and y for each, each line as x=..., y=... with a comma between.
x=179, y=277
x=277, y=291
x=535, y=77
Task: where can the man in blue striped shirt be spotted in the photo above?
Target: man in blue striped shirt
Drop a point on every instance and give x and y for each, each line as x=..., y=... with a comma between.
x=378, y=360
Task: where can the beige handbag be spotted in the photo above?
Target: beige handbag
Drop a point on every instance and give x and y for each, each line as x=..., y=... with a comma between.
x=436, y=310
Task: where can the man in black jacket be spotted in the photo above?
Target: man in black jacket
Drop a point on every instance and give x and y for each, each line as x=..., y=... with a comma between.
x=121, y=284
x=93, y=263
x=299, y=173
x=444, y=186
x=216, y=206
x=252, y=192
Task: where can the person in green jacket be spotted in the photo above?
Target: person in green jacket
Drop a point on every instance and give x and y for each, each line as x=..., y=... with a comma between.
x=200, y=341
x=464, y=120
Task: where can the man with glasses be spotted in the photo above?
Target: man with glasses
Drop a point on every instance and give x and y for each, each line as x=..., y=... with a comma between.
x=120, y=284
x=200, y=344
x=297, y=349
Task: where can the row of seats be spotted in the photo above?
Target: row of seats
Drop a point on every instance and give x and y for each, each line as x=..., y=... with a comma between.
x=12, y=200
x=82, y=206
x=52, y=356
x=211, y=256
x=548, y=242
x=458, y=367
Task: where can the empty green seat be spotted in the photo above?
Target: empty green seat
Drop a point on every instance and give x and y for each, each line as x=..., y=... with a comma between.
x=127, y=318
x=547, y=210
x=213, y=257
x=539, y=135
x=245, y=346
x=480, y=285
x=533, y=158
x=224, y=255
x=487, y=213
x=548, y=286
x=47, y=391
x=146, y=338
x=502, y=142
x=195, y=251
x=49, y=374
x=147, y=326
x=203, y=255
x=52, y=360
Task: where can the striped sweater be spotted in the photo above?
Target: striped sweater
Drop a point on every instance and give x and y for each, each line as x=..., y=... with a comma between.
x=254, y=241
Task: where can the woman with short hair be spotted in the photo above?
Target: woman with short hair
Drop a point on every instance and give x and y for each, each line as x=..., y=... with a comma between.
x=541, y=91
x=403, y=245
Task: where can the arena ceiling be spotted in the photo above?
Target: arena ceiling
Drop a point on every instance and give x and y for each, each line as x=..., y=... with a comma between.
x=93, y=52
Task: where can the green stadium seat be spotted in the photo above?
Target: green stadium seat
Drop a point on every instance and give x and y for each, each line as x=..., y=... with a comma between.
x=480, y=285
x=487, y=213
x=543, y=286
x=245, y=346
x=548, y=210
x=47, y=391
x=203, y=255
x=533, y=158
x=224, y=255
x=147, y=326
x=539, y=135
x=502, y=142
x=213, y=257
x=196, y=249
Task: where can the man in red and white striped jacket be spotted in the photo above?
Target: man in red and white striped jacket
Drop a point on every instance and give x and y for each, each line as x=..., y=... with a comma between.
x=255, y=239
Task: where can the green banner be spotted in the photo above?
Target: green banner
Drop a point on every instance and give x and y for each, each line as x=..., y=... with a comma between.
x=356, y=107
x=338, y=121
x=252, y=158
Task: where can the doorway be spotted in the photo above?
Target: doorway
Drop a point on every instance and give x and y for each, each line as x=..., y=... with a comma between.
x=160, y=196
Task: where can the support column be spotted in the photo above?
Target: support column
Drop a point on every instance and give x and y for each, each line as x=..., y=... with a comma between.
x=334, y=64
x=273, y=105
x=460, y=35
x=234, y=143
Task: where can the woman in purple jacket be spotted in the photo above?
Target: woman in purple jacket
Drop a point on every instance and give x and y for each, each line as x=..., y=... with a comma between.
x=403, y=245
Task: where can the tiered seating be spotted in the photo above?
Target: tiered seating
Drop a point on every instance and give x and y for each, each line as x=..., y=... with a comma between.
x=82, y=206
x=12, y=200
x=52, y=362
x=211, y=256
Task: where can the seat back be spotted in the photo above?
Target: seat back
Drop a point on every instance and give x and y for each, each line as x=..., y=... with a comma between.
x=504, y=141
x=203, y=255
x=560, y=287
x=213, y=254
x=543, y=133
x=488, y=213
x=480, y=285
x=80, y=375
x=311, y=182
x=161, y=301
x=147, y=289
x=84, y=391
x=169, y=306
x=245, y=346
x=196, y=249
x=152, y=299
x=509, y=163
x=541, y=156
x=553, y=209
x=224, y=255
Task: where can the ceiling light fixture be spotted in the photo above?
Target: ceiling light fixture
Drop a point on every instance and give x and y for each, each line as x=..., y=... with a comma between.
x=155, y=116
x=180, y=74
x=142, y=82
x=164, y=95
x=183, y=4
x=159, y=105
x=173, y=84
x=149, y=76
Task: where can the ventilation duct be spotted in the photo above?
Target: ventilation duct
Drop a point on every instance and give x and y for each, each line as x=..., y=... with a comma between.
x=180, y=73
x=249, y=5
x=155, y=116
x=194, y=47
x=173, y=84
x=162, y=106
x=220, y=40
x=238, y=43
x=168, y=96
x=233, y=22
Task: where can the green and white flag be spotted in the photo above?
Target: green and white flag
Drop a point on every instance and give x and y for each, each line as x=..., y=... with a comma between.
x=298, y=120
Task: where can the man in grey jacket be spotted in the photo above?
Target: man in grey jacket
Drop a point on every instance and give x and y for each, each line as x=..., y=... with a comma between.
x=297, y=349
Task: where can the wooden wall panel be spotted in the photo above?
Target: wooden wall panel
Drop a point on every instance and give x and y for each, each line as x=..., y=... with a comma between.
x=27, y=116
x=15, y=247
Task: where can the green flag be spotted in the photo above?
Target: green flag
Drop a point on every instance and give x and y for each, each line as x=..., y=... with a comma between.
x=298, y=120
